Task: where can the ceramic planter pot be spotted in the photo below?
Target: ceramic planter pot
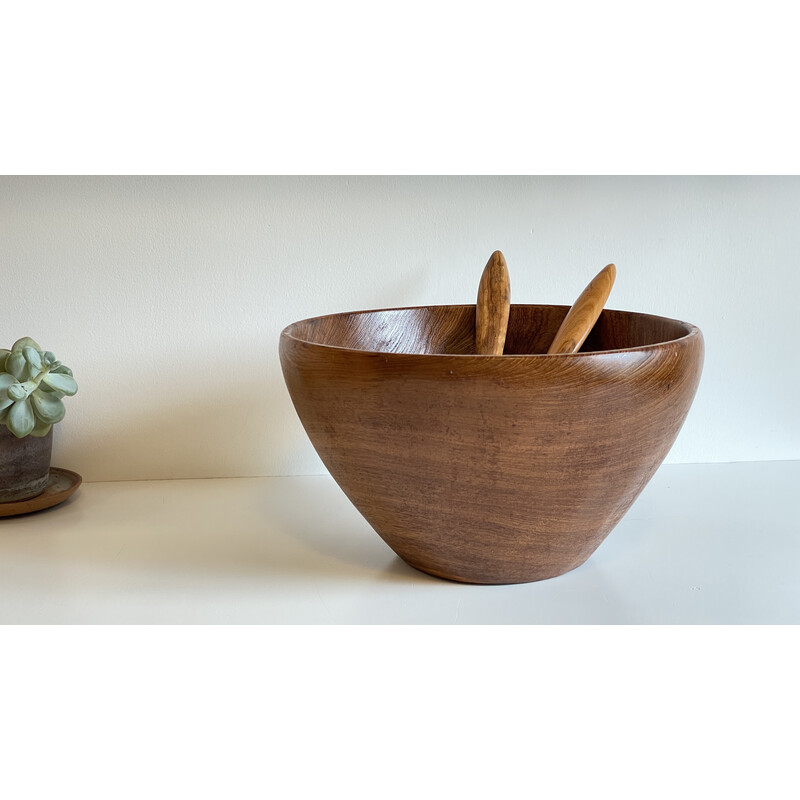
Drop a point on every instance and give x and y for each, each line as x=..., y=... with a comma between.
x=24, y=465
x=491, y=469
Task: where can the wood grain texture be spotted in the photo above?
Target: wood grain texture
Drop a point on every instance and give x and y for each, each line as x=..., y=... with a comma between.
x=584, y=313
x=491, y=310
x=490, y=469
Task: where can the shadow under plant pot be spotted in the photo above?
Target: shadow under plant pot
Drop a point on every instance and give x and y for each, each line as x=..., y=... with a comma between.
x=24, y=465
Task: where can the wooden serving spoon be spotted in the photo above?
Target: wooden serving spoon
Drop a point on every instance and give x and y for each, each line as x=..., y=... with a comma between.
x=580, y=319
x=494, y=303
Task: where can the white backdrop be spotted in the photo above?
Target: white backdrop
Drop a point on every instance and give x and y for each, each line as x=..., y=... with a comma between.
x=166, y=295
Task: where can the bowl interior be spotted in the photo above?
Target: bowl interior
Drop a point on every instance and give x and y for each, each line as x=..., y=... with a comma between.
x=450, y=330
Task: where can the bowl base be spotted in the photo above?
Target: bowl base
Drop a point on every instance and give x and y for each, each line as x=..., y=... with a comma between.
x=484, y=580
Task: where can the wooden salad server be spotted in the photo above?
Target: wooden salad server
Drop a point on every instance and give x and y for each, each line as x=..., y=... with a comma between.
x=580, y=319
x=494, y=303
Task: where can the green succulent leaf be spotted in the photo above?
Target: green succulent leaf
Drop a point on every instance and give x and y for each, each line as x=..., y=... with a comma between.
x=6, y=381
x=47, y=408
x=33, y=358
x=20, y=419
x=32, y=385
x=61, y=382
x=41, y=428
x=17, y=391
x=43, y=387
x=24, y=342
x=17, y=366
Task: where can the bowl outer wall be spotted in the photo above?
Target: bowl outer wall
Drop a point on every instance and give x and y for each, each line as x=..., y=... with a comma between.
x=493, y=469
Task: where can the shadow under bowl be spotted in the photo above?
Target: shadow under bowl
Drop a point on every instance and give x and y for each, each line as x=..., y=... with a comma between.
x=490, y=469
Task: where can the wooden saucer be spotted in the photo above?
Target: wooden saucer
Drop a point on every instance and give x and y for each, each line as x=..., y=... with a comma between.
x=61, y=485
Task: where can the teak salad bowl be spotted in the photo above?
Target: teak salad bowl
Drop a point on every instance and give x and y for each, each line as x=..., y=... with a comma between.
x=490, y=468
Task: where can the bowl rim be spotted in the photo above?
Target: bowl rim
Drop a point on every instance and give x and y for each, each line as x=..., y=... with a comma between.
x=692, y=332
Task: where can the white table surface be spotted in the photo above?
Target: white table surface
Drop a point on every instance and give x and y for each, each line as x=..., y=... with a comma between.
x=704, y=543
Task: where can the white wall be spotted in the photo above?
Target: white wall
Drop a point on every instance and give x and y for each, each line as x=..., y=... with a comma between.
x=166, y=295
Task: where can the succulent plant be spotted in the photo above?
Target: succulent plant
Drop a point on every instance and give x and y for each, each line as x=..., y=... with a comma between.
x=32, y=384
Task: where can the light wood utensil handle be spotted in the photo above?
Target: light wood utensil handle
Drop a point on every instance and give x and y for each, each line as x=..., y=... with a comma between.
x=494, y=302
x=584, y=313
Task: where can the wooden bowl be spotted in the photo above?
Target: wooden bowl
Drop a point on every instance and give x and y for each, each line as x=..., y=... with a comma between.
x=490, y=469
